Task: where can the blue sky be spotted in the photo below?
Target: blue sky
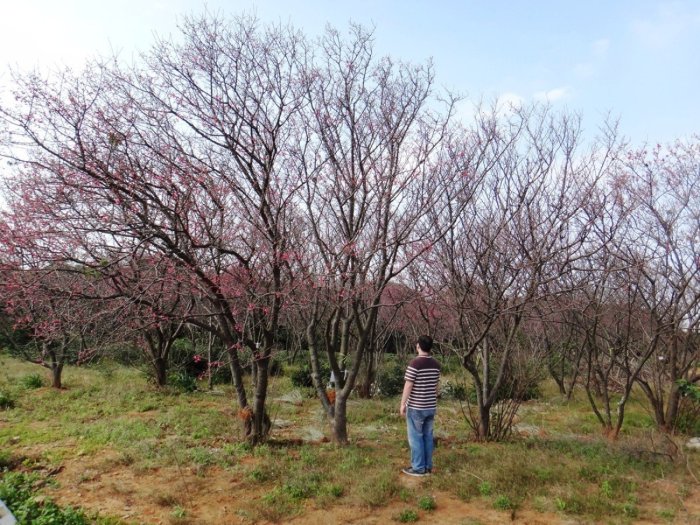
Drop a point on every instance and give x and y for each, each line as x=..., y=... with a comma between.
x=635, y=59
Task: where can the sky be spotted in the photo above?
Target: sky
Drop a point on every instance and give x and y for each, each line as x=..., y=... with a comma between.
x=635, y=60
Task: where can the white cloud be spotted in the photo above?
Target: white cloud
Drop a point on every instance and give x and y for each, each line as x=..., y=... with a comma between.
x=552, y=95
x=466, y=110
x=670, y=24
x=508, y=101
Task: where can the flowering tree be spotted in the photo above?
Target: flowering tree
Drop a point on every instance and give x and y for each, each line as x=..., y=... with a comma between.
x=180, y=157
x=506, y=249
x=367, y=161
x=660, y=189
x=636, y=313
x=47, y=304
x=153, y=302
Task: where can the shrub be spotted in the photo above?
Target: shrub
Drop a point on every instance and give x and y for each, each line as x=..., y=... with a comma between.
x=276, y=368
x=390, y=379
x=688, y=419
x=7, y=400
x=183, y=381
x=6, y=460
x=517, y=388
x=484, y=488
x=32, y=381
x=503, y=503
x=450, y=364
x=407, y=516
x=301, y=377
x=457, y=391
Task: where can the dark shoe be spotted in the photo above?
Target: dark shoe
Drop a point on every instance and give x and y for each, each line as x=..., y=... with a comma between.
x=410, y=472
x=428, y=471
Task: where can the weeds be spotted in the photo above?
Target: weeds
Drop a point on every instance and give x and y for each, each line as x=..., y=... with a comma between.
x=31, y=381
x=7, y=400
x=17, y=490
x=138, y=428
x=407, y=516
x=503, y=503
x=277, y=505
x=427, y=503
x=377, y=490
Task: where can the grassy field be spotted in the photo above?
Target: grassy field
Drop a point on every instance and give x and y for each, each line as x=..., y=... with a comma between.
x=124, y=452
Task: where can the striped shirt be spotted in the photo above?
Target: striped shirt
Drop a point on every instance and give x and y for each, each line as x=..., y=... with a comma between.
x=424, y=373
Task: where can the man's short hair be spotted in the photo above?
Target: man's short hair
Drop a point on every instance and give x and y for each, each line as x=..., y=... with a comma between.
x=426, y=343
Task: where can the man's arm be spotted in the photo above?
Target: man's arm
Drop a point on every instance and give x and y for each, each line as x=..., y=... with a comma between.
x=407, y=387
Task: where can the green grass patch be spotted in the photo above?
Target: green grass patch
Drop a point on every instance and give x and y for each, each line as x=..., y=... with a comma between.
x=407, y=516
x=109, y=414
x=31, y=381
x=19, y=492
x=7, y=400
x=427, y=503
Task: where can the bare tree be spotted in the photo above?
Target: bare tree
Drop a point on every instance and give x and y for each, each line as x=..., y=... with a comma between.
x=506, y=251
x=367, y=160
x=662, y=188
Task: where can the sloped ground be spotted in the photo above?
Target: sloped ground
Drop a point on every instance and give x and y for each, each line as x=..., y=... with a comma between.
x=115, y=445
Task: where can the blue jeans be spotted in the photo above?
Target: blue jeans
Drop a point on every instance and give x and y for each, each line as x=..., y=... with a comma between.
x=420, y=437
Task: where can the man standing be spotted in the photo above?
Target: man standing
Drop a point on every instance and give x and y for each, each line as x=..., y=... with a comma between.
x=418, y=406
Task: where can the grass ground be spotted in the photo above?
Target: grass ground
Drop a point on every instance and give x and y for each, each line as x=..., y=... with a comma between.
x=112, y=444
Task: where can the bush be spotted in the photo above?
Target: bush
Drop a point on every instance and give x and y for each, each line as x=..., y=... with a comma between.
x=301, y=377
x=407, y=516
x=6, y=460
x=390, y=379
x=183, y=381
x=7, y=400
x=688, y=419
x=503, y=503
x=276, y=368
x=457, y=391
x=450, y=364
x=519, y=389
x=32, y=381
x=427, y=503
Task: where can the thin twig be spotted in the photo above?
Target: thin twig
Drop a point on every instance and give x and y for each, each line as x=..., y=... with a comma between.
x=690, y=471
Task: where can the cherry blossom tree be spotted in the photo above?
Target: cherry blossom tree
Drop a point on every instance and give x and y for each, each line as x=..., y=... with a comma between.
x=367, y=160
x=660, y=187
x=182, y=155
x=507, y=248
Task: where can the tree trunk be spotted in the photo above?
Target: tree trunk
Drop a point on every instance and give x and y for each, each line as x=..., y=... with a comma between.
x=365, y=391
x=674, y=400
x=316, y=378
x=161, y=368
x=237, y=376
x=484, y=431
x=340, y=421
x=55, y=365
x=56, y=370
x=261, y=421
x=558, y=380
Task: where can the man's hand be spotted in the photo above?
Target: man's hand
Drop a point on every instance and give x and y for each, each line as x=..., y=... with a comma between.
x=407, y=387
